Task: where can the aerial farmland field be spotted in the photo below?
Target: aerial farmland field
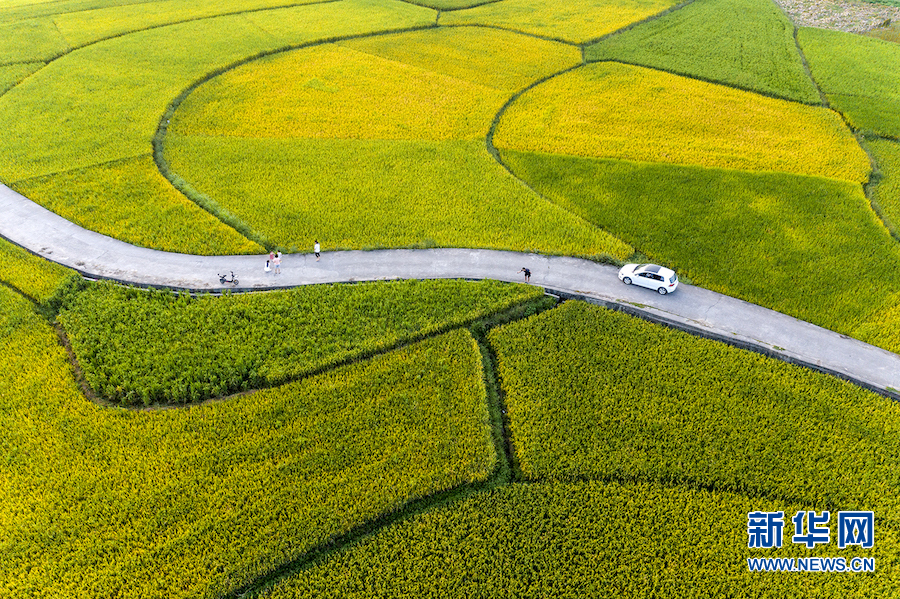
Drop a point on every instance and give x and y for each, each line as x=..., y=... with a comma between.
x=446, y=438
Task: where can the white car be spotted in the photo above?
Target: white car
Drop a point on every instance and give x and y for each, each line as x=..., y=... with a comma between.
x=651, y=276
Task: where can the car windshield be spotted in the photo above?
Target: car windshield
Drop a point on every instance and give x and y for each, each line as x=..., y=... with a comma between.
x=673, y=278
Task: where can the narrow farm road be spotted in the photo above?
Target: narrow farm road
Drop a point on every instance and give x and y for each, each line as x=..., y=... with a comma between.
x=691, y=308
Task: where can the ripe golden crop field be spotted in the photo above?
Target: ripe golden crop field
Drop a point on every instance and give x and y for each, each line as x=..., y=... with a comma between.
x=33, y=276
x=575, y=21
x=579, y=539
x=494, y=58
x=195, y=502
x=609, y=110
x=371, y=193
x=435, y=84
x=334, y=92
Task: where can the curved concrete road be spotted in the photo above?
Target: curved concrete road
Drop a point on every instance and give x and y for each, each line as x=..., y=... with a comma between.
x=691, y=308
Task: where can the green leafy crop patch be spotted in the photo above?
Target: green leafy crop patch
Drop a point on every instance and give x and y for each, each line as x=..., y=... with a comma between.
x=859, y=76
x=146, y=347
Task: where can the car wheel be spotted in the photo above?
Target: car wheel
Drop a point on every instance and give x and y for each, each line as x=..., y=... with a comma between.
x=627, y=280
x=662, y=291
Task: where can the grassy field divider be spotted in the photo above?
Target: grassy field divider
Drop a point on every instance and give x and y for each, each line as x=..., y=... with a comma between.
x=508, y=468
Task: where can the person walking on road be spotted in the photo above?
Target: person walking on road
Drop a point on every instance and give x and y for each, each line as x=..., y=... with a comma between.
x=527, y=274
x=277, y=263
x=316, y=249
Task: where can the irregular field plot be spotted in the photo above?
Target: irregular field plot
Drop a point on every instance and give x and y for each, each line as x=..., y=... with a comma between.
x=85, y=26
x=434, y=84
x=137, y=346
x=30, y=40
x=859, y=75
x=365, y=194
x=335, y=92
x=777, y=240
x=597, y=394
x=195, y=502
x=13, y=74
x=574, y=21
x=578, y=539
x=106, y=100
x=746, y=43
x=131, y=201
x=678, y=120
x=331, y=181
x=501, y=60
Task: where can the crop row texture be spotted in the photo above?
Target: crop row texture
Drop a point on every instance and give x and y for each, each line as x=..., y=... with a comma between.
x=105, y=100
x=746, y=43
x=445, y=83
x=368, y=194
x=138, y=346
x=859, y=76
x=777, y=240
x=678, y=120
x=575, y=21
x=12, y=74
x=885, y=192
x=597, y=394
x=35, y=277
x=582, y=539
x=364, y=117
x=194, y=503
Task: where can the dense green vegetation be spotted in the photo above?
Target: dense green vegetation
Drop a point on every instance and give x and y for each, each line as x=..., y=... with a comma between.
x=576, y=540
x=597, y=394
x=749, y=235
x=138, y=346
x=745, y=43
x=859, y=76
x=195, y=502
